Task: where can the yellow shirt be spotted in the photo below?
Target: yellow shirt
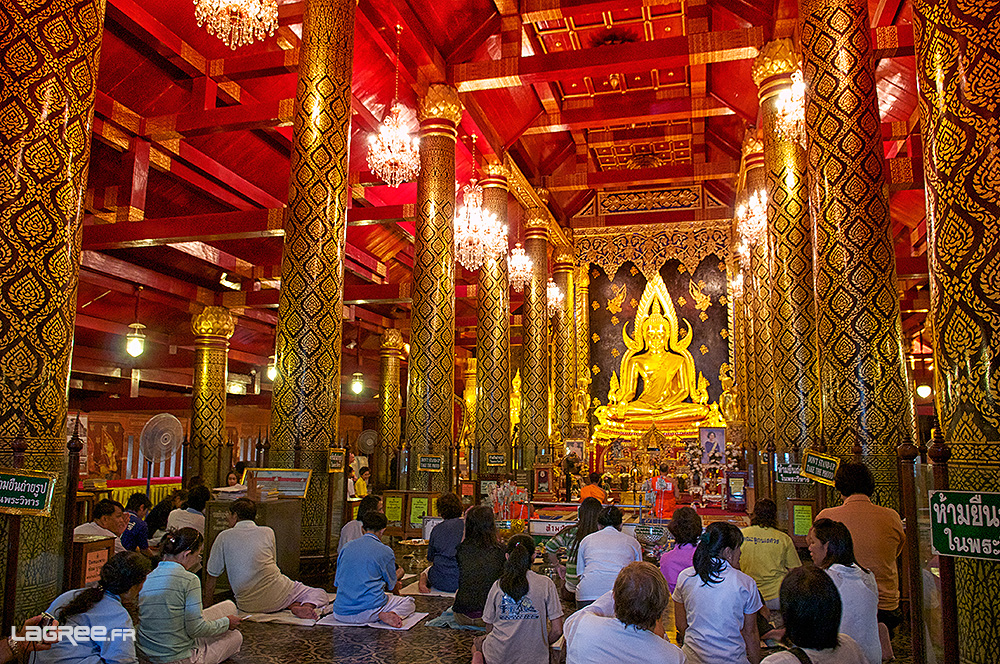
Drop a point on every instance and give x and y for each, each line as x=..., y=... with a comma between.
x=360, y=488
x=766, y=556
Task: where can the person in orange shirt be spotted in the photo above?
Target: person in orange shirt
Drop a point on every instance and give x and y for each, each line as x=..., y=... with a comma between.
x=666, y=491
x=594, y=490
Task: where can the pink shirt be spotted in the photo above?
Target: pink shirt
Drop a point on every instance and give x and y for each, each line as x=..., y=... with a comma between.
x=675, y=560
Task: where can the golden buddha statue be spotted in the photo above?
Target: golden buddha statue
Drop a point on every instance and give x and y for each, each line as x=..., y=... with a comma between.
x=657, y=384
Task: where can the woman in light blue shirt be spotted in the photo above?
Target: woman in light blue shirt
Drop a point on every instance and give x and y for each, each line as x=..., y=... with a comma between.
x=172, y=626
x=110, y=636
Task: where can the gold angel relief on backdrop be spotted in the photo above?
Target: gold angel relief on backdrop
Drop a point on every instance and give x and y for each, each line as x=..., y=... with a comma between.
x=616, y=299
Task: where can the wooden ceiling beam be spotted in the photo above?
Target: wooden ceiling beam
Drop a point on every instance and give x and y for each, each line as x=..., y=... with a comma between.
x=724, y=169
x=613, y=110
x=533, y=11
x=672, y=52
x=147, y=278
x=611, y=137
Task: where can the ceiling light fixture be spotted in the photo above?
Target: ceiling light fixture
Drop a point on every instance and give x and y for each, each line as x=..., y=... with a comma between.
x=135, y=341
x=272, y=368
x=751, y=218
x=237, y=22
x=479, y=235
x=393, y=154
x=791, y=111
x=923, y=390
x=555, y=298
x=520, y=268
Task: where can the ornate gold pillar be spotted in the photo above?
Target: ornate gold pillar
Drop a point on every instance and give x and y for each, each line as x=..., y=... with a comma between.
x=212, y=329
x=865, y=397
x=957, y=81
x=792, y=307
x=581, y=398
x=306, y=403
x=431, y=383
x=492, y=414
x=50, y=53
x=534, y=423
x=391, y=353
x=564, y=342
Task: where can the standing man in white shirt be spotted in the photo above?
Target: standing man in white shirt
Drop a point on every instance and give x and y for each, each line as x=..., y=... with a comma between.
x=194, y=515
x=109, y=521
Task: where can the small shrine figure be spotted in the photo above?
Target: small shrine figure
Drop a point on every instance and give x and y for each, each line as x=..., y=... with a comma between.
x=665, y=490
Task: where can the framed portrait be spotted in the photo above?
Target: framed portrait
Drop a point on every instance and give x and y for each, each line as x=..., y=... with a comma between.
x=544, y=482
x=712, y=439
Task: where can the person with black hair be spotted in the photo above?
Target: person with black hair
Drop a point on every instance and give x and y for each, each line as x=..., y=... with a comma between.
x=102, y=607
x=248, y=554
x=361, y=484
x=136, y=534
x=522, y=613
x=442, y=547
x=352, y=529
x=811, y=606
x=193, y=516
x=172, y=625
x=569, y=538
x=877, y=533
x=480, y=558
x=767, y=552
x=685, y=526
x=832, y=550
x=366, y=570
x=109, y=520
x=624, y=625
x=593, y=489
x=602, y=555
x=156, y=520
x=232, y=479
x=715, y=604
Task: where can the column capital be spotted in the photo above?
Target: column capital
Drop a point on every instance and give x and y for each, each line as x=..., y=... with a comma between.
x=496, y=176
x=536, y=224
x=753, y=152
x=563, y=259
x=213, y=322
x=392, y=342
x=776, y=58
x=441, y=102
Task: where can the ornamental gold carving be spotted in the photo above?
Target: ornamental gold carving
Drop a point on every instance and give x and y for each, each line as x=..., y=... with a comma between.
x=777, y=57
x=536, y=219
x=441, y=101
x=752, y=145
x=496, y=171
x=562, y=257
x=392, y=340
x=213, y=322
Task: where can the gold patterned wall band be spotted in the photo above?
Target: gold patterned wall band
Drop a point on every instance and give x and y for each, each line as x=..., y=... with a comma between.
x=581, y=399
x=792, y=306
x=431, y=381
x=564, y=342
x=391, y=356
x=534, y=424
x=959, y=84
x=864, y=395
x=306, y=401
x=50, y=53
x=492, y=416
x=212, y=327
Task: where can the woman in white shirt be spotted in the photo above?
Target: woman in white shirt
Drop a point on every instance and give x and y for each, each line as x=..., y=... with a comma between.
x=832, y=549
x=602, y=555
x=715, y=603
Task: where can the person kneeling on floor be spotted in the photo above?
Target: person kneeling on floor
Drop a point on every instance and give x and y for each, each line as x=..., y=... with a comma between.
x=366, y=569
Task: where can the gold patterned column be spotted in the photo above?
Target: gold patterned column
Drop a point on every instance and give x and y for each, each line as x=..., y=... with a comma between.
x=49, y=53
x=306, y=403
x=581, y=398
x=391, y=353
x=959, y=84
x=564, y=342
x=793, y=319
x=865, y=397
x=534, y=423
x=431, y=384
x=493, y=336
x=212, y=329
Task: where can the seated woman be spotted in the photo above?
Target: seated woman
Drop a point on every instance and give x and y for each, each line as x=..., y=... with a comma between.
x=100, y=607
x=832, y=549
x=441, y=549
x=569, y=538
x=811, y=606
x=172, y=626
x=352, y=529
x=602, y=555
x=480, y=560
x=686, y=529
x=767, y=552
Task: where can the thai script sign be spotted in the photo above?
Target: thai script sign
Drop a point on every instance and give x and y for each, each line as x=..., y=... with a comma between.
x=790, y=473
x=26, y=493
x=966, y=524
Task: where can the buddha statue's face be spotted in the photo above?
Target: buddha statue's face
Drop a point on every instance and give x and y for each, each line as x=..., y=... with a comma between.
x=656, y=333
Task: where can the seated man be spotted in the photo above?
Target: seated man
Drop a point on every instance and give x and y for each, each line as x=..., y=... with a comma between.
x=594, y=490
x=624, y=625
x=246, y=552
x=109, y=521
x=352, y=529
x=136, y=535
x=366, y=568
x=194, y=515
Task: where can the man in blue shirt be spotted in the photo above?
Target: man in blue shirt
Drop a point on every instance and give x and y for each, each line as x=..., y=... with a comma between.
x=366, y=568
x=136, y=535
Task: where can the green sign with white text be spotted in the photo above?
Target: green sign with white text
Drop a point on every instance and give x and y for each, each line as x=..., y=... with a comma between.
x=26, y=493
x=966, y=524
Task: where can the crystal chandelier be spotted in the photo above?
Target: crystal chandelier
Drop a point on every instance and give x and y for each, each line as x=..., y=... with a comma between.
x=736, y=285
x=751, y=218
x=791, y=111
x=393, y=154
x=555, y=298
x=237, y=22
x=520, y=268
x=479, y=235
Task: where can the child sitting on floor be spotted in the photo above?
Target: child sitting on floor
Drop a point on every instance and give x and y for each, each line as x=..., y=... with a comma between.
x=518, y=612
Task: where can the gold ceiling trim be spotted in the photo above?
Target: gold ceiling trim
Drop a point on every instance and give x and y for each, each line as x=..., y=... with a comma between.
x=528, y=197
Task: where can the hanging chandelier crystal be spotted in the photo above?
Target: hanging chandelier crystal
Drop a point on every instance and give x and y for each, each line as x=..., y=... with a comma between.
x=736, y=285
x=393, y=154
x=479, y=235
x=791, y=111
x=751, y=218
x=237, y=22
x=520, y=268
x=555, y=298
